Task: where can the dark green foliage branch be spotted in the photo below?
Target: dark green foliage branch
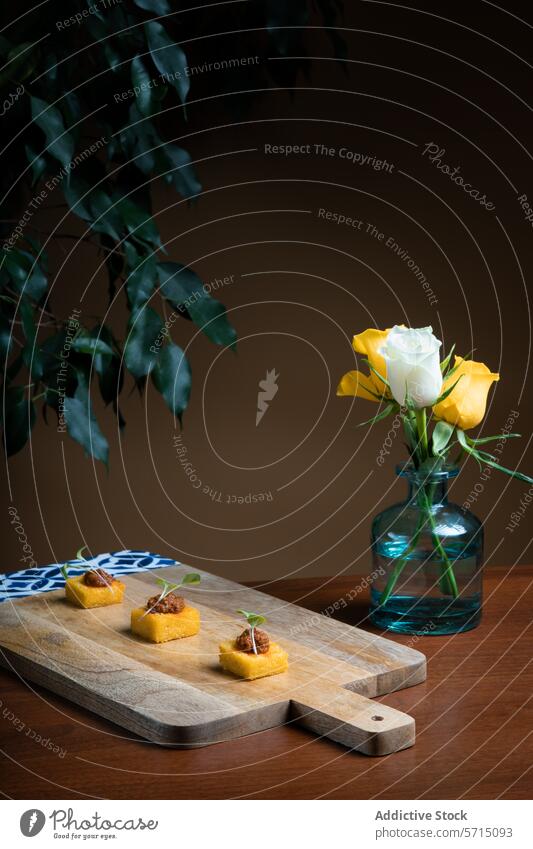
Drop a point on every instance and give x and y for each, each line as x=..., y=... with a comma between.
x=62, y=124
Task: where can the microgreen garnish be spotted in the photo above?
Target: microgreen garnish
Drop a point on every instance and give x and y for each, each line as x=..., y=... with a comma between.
x=79, y=556
x=253, y=619
x=167, y=588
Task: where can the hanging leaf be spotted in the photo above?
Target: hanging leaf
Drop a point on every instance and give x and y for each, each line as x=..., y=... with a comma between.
x=108, y=368
x=84, y=343
x=30, y=353
x=19, y=418
x=185, y=291
x=141, y=282
x=95, y=206
x=144, y=327
x=28, y=278
x=59, y=143
x=144, y=96
x=182, y=175
x=172, y=378
x=139, y=222
x=168, y=57
x=83, y=427
x=160, y=7
x=38, y=164
x=6, y=339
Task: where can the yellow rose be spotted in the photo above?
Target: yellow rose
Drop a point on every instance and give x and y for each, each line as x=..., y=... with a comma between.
x=367, y=386
x=465, y=405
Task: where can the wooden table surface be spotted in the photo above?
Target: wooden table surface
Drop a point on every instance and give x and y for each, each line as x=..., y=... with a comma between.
x=473, y=715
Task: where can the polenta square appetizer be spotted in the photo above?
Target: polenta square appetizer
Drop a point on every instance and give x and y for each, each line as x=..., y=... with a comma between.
x=95, y=588
x=253, y=654
x=167, y=616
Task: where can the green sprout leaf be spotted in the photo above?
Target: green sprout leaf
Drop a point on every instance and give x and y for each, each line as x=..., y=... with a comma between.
x=190, y=578
x=253, y=619
x=58, y=141
x=65, y=567
x=167, y=587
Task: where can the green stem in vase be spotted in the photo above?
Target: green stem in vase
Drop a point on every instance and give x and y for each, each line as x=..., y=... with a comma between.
x=421, y=423
x=449, y=584
x=398, y=567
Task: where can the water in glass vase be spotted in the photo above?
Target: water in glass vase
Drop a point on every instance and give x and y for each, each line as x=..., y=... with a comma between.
x=428, y=557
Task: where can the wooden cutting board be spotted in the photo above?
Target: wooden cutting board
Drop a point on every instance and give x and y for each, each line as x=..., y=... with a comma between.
x=175, y=693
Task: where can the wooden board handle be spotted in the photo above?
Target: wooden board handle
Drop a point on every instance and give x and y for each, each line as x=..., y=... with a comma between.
x=353, y=720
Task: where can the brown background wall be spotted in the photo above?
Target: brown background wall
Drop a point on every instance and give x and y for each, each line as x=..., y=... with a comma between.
x=300, y=287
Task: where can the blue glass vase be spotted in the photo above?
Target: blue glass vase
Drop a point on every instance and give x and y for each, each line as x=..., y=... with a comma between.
x=428, y=559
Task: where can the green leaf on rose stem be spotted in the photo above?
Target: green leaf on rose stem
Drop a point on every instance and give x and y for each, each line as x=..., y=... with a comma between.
x=144, y=327
x=448, y=391
x=83, y=427
x=441, y=436
x=59, y=142
x=168, y=57
x=410, y=436
x=452, y=371
x=390, y=408
x=371, y=367
x=483, y=457
x=446, y=361
x=513, y=474
x=171, y=376
x=19, y=418
x=496, y=438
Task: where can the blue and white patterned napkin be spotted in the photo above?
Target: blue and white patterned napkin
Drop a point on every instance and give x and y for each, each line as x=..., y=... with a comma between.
x=45, y=578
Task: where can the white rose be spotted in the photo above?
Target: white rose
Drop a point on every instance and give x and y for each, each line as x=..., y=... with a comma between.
x=413, y=365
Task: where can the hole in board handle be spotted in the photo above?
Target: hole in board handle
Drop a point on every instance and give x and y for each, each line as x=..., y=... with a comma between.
x=377, y=718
